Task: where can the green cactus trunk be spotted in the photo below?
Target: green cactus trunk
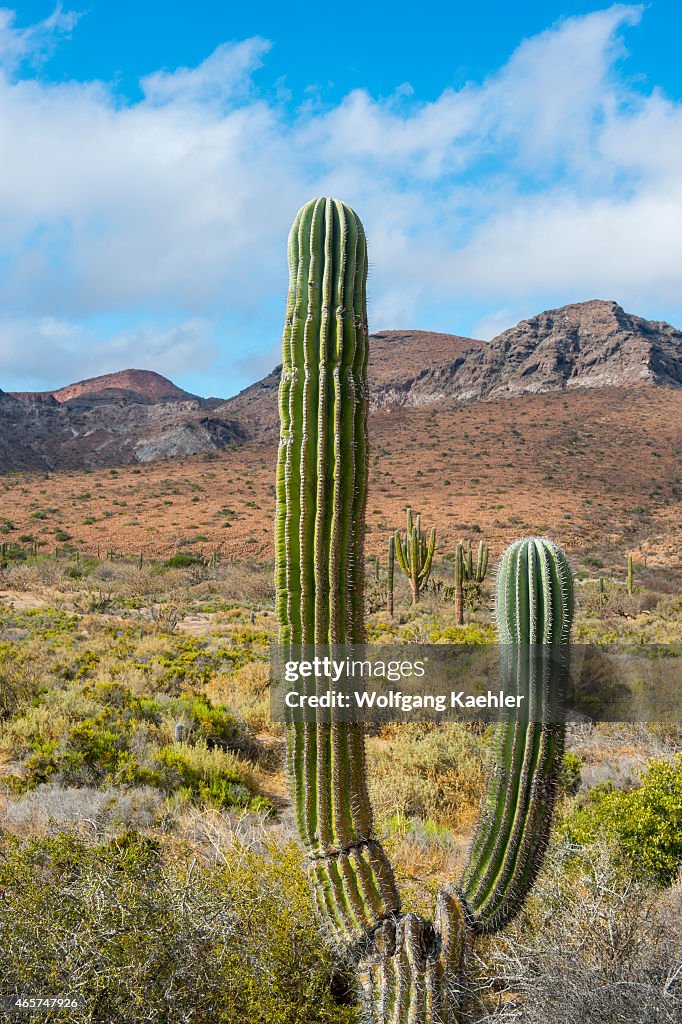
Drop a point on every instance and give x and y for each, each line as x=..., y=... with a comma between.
x=410, y=970
x=534, y=610
x=459, y=585
x=319, y=537
x=481, y=562
x=631, y=575
x=390, y=574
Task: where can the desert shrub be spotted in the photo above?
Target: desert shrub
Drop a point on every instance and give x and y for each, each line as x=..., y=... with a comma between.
x=472, y=594
x=95, y=811
x=375, y=596
x=212, y=775
x=247, y=692
x=479, y=633
x=615, y=600
x=104, y=736
x=426, y=772
x=245, y=582
x=183, y=560
x=19, y=683
x=570, y=776
x=206, y=720
x=140, y=938
x=590, y=948
x=645, y=824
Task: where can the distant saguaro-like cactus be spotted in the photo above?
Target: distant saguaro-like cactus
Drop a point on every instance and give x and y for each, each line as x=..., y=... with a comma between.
x=467, y=572
x=390, y=575
x=411, y=971
x=415, y=553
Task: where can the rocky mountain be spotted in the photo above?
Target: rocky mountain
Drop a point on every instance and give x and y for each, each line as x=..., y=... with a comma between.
x=117, y=419
x=586, y=344
x=397, y=359
x=583, y=345
x=140, y=416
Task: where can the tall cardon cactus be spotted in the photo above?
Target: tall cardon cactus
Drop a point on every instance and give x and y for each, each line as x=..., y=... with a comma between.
x=415, y=553
x=319, y=538
x=411, y=971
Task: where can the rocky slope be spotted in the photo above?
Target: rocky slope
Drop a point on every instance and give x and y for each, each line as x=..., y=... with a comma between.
x=140, y=416
x=587, y=344
x=118, y=419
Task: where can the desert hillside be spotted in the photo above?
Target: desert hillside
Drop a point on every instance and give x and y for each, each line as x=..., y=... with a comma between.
x=569, y=424
x=138, y=416
x=594, y=467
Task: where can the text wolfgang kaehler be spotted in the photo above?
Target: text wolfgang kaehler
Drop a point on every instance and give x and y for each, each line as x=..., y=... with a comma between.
x=399, y=701
x=338, y=675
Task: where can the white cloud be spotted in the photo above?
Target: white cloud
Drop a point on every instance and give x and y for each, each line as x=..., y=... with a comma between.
x=35, y=43
x=49, y=352
x=551, y=178
x=225, y=75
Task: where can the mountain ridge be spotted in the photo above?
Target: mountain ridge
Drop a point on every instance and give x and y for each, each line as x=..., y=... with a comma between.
x=145, y=386
x=135, y=416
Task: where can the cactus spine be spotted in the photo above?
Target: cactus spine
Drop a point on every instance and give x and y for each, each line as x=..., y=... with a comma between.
x=410, y=970
x=390, y=574
x=415, y=554
x=319, y=565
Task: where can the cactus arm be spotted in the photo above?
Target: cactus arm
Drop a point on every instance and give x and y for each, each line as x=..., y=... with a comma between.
x=482, y=562
x=534, y=607
x=428, y=557
x=414, y=560
x=401, y=553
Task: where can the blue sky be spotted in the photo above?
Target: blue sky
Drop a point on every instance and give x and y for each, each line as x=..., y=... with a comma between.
x=504, y=159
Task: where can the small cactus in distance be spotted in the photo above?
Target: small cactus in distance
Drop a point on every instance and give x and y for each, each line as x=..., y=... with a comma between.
x=415, y=553
x=390, y=574
x=459, y=585
x=467, y=572
x=631, y=575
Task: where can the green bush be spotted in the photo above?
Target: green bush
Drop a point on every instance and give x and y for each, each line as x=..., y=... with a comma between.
x=141, y=937
x=103, y=735
x=645, y=824
x=570, y=776
x=183, y=560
